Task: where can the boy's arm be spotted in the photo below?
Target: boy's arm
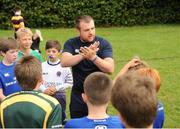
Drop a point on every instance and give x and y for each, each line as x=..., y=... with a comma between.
x=1, y=95
x=68, y=80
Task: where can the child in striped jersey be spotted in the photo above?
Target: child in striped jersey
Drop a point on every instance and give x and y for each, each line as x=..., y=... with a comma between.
x=18, y=22
x=56, y=78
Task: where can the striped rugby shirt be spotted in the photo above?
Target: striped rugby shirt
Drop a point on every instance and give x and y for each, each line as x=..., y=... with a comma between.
x=17, y=22
x=30, y=109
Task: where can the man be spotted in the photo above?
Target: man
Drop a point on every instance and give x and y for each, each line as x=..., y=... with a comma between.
x=86, y=54
x=30, y=108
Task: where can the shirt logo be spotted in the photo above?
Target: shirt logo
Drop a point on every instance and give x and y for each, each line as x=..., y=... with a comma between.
x=58, y=74
x=6, y=75
x=100, y=127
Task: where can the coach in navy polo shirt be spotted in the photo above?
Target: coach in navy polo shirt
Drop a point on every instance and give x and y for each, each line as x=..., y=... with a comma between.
x=86, y=53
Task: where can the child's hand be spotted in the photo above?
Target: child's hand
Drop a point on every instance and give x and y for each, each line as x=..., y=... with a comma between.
x=50, y=90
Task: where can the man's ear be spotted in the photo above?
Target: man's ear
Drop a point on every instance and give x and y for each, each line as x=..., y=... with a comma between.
x=84, y=97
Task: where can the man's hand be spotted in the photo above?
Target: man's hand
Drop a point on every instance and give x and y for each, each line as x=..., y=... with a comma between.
x=90, y=52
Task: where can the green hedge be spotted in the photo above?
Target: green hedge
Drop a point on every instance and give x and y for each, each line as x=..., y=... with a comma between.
x=61, y=13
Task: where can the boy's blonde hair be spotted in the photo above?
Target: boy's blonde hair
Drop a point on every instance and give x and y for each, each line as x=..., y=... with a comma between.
x=23, y=31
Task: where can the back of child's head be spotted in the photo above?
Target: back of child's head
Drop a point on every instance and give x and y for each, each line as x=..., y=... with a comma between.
x=153, y=74
x=23, y=31
x=97, y=87
x=53, y=44
x=7, y=43
x=134, y=97
x=17, y=10
x=28, y=72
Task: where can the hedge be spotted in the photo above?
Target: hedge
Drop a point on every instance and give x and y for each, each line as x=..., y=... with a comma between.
x=61, y=13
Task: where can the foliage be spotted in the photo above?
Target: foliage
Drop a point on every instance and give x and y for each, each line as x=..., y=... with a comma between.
x=61, y=13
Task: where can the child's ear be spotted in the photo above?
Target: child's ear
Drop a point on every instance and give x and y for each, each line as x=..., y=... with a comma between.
x=2, y=53
x=84, y=97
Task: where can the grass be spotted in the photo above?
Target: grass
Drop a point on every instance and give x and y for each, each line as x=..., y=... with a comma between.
x=158, y=45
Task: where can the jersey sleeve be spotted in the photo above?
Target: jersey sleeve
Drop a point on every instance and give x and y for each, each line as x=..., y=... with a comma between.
x=55, y=119
x=106, y=49
x=1, y=83
x=68, y=80
x=40, y=58
x=68, y=47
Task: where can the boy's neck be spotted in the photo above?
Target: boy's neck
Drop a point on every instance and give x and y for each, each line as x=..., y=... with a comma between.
x=6, y=62
x=97, y=112
x=54, y=60
x=25, y=51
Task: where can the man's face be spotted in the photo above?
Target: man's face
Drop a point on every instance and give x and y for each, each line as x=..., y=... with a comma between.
x=25, y=42
x=87, y=31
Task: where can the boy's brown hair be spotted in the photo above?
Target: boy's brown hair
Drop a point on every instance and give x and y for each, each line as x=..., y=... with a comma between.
x=134, y=97
x=7, y=43
x=84, y=18
x=97, y=87
x=153, y=74
x=53, y=44
x=23, y=31
x=28, y=72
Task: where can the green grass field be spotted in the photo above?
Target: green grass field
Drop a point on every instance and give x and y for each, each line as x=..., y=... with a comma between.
x=158, y=45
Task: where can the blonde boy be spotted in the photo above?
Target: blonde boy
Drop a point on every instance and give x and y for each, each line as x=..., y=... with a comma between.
x=24, y=38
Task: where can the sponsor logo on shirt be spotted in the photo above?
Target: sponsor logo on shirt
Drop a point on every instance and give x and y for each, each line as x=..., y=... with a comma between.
x=10, y=83
x=58, y=73
x=6, y=75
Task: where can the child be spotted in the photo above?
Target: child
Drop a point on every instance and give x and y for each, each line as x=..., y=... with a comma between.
x=56, y=78
x=97, y=92
x=142, y=68
x=30, y=108
x=8, y=83
x=134, y=97
x=18, y=22
x=24, y=38
x=154, y=75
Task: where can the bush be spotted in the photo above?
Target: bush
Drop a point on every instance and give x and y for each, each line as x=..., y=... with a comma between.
x=61, y=13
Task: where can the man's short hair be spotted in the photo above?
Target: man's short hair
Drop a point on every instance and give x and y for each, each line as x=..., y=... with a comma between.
x=97, y=87
x=28, y=72
x=85, y=18
x=134, y=97
x=7, y=43
x=23, y=31
x=53, y=44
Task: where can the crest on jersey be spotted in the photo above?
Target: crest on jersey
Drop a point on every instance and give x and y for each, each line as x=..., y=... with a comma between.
x=58, y=74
